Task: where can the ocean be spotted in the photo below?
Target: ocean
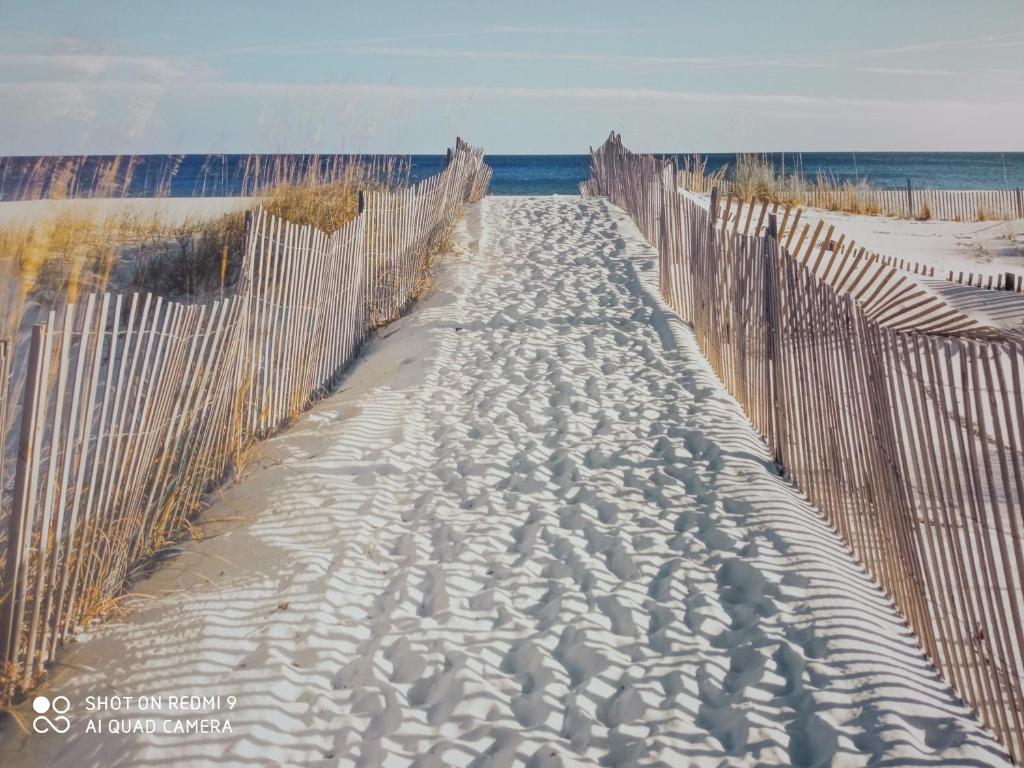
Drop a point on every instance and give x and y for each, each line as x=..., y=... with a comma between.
x=223, y=175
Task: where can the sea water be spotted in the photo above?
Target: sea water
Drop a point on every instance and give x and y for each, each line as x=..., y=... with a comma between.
x=223, y=175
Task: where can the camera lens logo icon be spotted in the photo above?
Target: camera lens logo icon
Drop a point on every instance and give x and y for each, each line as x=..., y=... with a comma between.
x=43, y=706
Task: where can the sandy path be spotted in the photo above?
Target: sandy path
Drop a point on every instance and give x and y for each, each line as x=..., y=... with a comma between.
x=532, y=529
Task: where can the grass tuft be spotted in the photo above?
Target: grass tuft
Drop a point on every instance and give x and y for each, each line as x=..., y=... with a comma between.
x=754, y=177
x=56, y=260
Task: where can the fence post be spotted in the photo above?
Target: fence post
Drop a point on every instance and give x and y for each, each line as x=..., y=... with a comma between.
x=1009, y=282
x=713, y=208
x=910, y=200
x=362, y=196
x=773, y=348
x=5, y=361
x=19, y=538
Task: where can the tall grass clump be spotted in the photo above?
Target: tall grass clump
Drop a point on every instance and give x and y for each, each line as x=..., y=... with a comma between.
x=696, y=177
x=847, y=196
x=54, y=260
x=755, y=177
x=196, y=259
x=71, y=177
x=323, y=192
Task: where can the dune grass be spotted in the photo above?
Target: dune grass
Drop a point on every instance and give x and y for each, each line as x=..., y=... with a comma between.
x=69, y=177
x=755, y=177
x=55, y=260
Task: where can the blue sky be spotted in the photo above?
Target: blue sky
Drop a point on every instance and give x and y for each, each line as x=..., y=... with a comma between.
x=555, y=76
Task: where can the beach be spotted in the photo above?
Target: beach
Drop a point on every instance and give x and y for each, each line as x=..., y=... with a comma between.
x=530, y=527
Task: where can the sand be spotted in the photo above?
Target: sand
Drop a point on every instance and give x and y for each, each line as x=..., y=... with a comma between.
x=170, y=210
x=983, y=247
x=530, y=529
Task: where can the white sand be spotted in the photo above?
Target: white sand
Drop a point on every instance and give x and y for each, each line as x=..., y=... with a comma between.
x=983, y=247
x=170, y=210
x=532, y=529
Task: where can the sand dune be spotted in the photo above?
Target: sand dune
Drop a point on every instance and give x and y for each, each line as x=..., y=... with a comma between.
x=171, y=211
x=532, y=529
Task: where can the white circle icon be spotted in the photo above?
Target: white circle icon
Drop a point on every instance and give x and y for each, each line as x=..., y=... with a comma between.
x=43, y=723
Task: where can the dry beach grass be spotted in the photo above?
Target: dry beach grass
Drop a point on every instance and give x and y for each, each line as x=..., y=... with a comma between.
x=137, y=406
x=57, y=258
x=755, y=177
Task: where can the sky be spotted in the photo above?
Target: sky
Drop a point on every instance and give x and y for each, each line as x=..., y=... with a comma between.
x=105, y=77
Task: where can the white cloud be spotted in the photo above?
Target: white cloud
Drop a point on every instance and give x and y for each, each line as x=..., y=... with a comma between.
x=429, y=93
x=836, y=59
x=94, y=65
x=297, y=114
x=67, y=81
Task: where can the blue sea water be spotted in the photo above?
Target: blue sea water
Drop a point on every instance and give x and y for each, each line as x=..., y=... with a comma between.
x=220, y=175
x=561, y=174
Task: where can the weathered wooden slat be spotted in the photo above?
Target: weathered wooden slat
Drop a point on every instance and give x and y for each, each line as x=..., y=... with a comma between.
x=154, y=401
x=908, y=436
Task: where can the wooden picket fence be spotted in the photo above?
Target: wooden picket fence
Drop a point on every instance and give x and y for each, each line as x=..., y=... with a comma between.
x=905, y=203
x=130, y=408
x=884, y=286
x=738, y=215
x=400, y=224
x=5, y=367
x=301, y=329
x=480, y=172
x=909, y=441
x=939, y=204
